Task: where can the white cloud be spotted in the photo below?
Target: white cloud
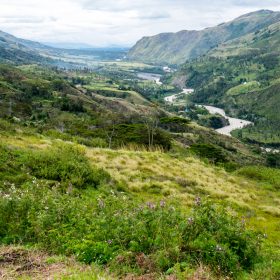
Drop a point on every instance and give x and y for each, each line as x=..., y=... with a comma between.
x=123, y=22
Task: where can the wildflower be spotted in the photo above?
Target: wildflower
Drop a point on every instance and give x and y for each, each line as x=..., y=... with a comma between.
x=162, y=203
x=151, y=205
x=190, y=221
x=197, y=201
x=219, y=248
x=110, y=241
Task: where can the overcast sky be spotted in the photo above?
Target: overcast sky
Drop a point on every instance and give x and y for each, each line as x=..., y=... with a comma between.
x=116, y=22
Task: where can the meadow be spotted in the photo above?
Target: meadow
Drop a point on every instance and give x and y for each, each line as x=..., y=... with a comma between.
x=136, y=212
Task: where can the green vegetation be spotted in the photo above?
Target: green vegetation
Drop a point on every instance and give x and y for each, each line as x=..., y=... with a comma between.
x=65, y=164
x=99, y=230
x=115, y=208
x=242, y=76
x=98, y=174
x=268, y=176
x=176, y=48
x=214, y=154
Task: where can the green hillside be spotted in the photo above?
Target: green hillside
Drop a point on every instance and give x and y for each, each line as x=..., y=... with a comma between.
x=100, y=179
x=242, y=76
x=148, y=213
x=19, y=51
x=175, y=48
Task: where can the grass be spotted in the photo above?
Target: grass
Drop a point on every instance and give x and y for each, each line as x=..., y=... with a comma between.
x=244, y=88
x=23, y=263
x=139, y=176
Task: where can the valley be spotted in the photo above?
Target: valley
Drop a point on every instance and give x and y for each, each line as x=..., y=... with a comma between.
x=156, y=162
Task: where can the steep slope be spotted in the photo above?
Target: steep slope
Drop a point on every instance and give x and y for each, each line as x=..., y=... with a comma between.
x=242, y=76
x=19, y=51
x=54, y=104
x=128, y=210
x=175, y=48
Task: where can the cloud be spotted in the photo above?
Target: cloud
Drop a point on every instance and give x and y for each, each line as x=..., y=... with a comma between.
x=253, y=3
x=123, y=22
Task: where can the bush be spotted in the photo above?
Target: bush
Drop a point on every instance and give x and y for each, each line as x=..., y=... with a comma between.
x=266, y=175
x=209, y=151
x=65, y=164
x=151, y=237
x=138, y=134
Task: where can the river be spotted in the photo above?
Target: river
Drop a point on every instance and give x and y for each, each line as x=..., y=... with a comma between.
x=150, y=77
x=172, y=98
x=234, y=123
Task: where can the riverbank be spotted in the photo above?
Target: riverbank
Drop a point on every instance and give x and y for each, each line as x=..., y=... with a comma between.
x=150, y=77
x=234, y=123
x=173, y=97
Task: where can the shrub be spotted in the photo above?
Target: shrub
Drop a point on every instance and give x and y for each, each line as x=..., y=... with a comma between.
x=65, y=164
x=117, y=231
x=270, y=176
x=138, y=134
x=209, y=151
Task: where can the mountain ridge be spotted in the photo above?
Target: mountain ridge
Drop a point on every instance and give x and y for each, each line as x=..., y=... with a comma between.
x=242, y=76
x=176, y=48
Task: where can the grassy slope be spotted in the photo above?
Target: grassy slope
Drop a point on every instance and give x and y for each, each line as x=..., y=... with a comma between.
x=155, y=176
x=141, y=172
x=176, y=48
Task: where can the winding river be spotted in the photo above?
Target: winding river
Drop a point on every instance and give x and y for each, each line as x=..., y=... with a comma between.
x=234, y=123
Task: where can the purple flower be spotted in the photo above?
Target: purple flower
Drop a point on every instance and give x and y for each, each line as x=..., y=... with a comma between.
x=151, y=205
x=197, y=201
x=190, y=221
x=162, y=203
x=110, y=241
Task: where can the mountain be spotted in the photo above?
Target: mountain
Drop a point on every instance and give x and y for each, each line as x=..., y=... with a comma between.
x=20, y=51
x=66, y=45
x=243, y=77
x=175, y=48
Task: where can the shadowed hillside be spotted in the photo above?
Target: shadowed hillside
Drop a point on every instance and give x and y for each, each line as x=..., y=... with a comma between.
x=176, y=48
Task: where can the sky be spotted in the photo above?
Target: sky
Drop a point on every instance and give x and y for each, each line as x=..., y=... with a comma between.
x=103, y=23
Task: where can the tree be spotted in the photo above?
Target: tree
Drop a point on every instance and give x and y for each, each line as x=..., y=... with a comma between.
x=151, y=122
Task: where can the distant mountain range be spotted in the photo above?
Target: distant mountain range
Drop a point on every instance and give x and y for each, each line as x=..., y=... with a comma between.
x=176, y=48
x=20, y=51
x=16, y=50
